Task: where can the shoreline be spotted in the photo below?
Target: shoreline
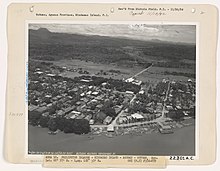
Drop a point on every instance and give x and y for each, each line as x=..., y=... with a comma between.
x=181, y=142
x=135, y=130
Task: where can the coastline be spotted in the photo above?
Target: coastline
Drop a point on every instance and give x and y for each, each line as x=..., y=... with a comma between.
x=144, y=129
x=181, y=142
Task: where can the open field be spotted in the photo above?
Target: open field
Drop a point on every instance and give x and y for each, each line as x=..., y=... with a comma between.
x=159, y=73
x=95, y=68
x=153, y=75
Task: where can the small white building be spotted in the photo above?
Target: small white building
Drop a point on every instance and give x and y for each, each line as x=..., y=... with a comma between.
x=178, y=107
x=141, y=92
x=89, y=92
x=180, y=91
x=95, y=93
x=51, y=75
x=107, y=120
x=75, y=112
x=137, y=116
x=91, y=122
x=84, y=80
x=169, y=107
x=39, y=72
x=129, y=80
x=93, y=101
x=110, y=128
x=104, y=84
x=136, y=82
x=49, y=105
x=129, y=92
x=82, y=94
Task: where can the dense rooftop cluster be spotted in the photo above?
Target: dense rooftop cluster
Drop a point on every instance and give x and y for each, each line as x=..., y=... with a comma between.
x=72, y=105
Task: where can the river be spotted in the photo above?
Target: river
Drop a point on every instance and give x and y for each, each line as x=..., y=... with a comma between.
x=181, y=142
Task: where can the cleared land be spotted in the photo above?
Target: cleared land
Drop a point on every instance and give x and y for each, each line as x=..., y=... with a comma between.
x=95, y=53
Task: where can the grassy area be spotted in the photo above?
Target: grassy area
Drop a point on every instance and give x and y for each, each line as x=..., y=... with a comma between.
x=95, y=68
x=45, y=45
x=153, y=75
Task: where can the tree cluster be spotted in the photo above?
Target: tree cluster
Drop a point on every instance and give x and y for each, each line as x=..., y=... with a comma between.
x=176, y=115
x=161, y=88
x=108, y=108
x=190, y=75
x=179, y=86
x=77, y=126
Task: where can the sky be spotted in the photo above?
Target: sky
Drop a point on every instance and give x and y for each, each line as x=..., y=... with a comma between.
x=171, y=33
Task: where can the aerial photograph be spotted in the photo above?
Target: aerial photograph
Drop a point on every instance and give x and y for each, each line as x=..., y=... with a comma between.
x=122, y=89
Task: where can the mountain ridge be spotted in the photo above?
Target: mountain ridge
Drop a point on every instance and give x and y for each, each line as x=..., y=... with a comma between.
x=46, y=45
x=45, y=31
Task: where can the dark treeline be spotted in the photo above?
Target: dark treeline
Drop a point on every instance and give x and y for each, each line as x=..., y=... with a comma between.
x=190, y=75
x=178, y=115
x=172, y=51
x=174, y=64
x=77, y=126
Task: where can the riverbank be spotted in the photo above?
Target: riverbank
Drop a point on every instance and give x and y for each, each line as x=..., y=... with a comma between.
x=143, y=128
x=181, y=142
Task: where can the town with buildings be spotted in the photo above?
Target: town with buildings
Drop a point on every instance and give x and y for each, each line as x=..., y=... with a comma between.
x=122, y=88
x=95, y=104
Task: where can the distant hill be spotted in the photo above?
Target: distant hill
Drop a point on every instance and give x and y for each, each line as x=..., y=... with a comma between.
x=41, y=34
x=46, y=45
